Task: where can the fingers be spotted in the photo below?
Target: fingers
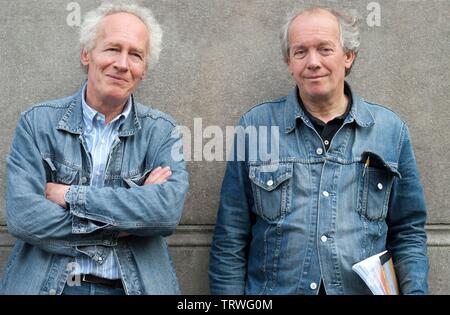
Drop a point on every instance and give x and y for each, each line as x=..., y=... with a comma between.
x=158, y=176
x=49, y=189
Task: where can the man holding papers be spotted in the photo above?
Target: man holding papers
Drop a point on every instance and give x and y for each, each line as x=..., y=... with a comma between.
x=344, y=186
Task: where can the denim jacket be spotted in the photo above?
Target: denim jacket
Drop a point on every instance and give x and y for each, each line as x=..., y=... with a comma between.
x=48, y=146
x=287, y=224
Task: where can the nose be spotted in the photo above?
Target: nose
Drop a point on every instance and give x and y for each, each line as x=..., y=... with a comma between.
x=313, y=61
x=121, y=62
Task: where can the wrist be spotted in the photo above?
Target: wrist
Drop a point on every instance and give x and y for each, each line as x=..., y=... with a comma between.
x=66, y=198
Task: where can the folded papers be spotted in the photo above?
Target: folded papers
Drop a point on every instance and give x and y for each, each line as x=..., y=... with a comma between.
x=378, y=274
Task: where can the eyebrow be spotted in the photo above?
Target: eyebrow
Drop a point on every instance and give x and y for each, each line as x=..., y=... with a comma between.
x=112, y=44
x=321, y=43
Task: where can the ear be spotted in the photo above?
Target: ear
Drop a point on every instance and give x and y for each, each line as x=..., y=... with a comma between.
x=84, y=57
x=289, y=65
x=349, y=58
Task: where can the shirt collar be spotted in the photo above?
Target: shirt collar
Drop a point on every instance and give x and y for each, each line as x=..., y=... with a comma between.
x=358, y=112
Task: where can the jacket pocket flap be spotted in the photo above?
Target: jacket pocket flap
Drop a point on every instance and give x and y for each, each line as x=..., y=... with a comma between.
x=270, y=176
x=61, y=173
x=376, y=161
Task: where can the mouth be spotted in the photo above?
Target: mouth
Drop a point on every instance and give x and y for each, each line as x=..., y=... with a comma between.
x=315, y=77
x=117, y=78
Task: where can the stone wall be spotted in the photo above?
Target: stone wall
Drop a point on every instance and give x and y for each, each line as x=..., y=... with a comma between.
x=222, y=56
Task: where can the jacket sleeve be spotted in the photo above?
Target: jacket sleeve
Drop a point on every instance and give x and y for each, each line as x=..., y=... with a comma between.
x=30, y=216
x=232, y=233
x=406, y=219
x=146, y=210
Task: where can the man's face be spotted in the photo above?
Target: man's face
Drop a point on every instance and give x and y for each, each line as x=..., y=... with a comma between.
x=316, y=57
x=117, y=64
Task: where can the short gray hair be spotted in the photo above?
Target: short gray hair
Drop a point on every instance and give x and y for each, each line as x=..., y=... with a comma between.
x=348, y=28
x=89, y=28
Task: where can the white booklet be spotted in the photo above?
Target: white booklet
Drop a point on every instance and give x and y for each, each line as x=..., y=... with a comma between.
x=378, y=273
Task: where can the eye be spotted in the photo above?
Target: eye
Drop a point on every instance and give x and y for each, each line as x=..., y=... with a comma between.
x=136, y=56
x=299, y=53
x=326, y=51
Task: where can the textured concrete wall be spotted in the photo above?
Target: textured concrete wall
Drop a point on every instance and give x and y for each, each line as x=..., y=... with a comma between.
x=222, y=56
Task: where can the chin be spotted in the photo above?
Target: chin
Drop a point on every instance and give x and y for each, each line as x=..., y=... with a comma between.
x=117, y=92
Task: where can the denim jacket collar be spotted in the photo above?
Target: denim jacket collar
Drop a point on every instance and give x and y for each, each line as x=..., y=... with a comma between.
x=359, y=113
x=72, y=121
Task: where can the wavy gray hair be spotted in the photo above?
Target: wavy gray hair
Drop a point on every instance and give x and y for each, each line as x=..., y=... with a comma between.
x=348, y=28
x=89, y=28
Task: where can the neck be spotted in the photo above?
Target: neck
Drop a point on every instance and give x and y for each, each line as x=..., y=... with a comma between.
x=326, y=108
x=110, y=108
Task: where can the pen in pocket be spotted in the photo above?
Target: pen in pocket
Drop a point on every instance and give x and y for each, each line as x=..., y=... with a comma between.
x=366, y=165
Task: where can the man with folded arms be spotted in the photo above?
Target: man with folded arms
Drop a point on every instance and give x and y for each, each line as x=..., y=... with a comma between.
x=92, y=185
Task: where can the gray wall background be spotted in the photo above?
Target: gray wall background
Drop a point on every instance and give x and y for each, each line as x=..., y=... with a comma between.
x=220, y=57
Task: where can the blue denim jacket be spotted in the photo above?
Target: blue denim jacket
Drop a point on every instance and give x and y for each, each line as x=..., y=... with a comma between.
x=284, y=225
x=48, y=147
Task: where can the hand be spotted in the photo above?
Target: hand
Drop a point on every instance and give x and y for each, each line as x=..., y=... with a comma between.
x=55, y=193
x=158, y=176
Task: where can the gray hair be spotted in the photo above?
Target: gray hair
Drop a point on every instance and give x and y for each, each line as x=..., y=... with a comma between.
x=348, y=28
x=89, y=28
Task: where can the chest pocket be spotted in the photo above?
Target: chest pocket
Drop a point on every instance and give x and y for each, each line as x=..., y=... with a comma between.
x=272, y=189
x=59, y=173
x=376, y=180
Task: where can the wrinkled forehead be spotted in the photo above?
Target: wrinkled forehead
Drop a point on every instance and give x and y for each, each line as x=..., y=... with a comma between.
x=315, y=21
x=126, y=24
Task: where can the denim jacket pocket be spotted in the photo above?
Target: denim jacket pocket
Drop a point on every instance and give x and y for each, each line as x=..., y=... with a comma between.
x=59, y=173
x=376, y=179
x=136, y=180
x=272, y=188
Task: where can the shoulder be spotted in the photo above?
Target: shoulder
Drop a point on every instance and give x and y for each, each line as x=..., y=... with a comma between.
x=384, y=114
x=266, y=110
x=62, y=103
x=149, y=116
x=48, y=110
x=268, y=105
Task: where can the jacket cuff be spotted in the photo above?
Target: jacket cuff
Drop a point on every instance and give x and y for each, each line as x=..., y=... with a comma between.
x=412, y=277
x=76, y=198
x=82, y=223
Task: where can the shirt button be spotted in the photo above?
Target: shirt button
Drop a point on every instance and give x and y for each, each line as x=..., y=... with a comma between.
x=326, y=142
x=380, y=186
x=326, y=194
x=319, y=151
x=103, y=141
x=324, y=238
x=100, y=258
x=270, y=183
x=83, y=180
x=98, y=173
x=313, y=286
x=52, y=292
